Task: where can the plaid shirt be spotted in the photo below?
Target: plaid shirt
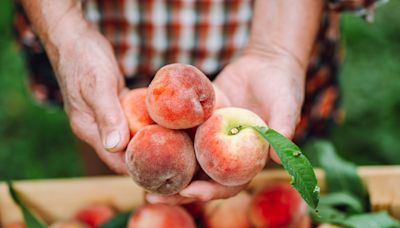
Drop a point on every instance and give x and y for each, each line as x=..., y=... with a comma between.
x=147, y=34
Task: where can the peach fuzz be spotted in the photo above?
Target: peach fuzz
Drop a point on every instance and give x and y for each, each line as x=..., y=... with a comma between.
x=279, y=205
x=230, y=153
x=180, y=96
x=161, y=216
x=161, y=160
x=95, y=215
x=227, y=213
x=134, y=106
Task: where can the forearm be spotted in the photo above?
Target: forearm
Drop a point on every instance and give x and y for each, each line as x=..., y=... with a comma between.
x=285, y=29
x=55, y=22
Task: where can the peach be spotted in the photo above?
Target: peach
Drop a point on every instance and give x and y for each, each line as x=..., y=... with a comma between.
x=161, y=160
x=228, y=213
x=180, y=96
x=228, y=151
x=161, y=216
x=134, y=106
x=15, y=225
x=68, y=224
x=95, y=215
x=278, y=205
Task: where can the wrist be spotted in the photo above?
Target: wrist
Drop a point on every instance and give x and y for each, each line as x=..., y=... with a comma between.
x=278, y=59
x=62, y=30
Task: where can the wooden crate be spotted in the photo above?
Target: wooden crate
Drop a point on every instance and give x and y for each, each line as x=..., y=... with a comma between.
x=59, y=198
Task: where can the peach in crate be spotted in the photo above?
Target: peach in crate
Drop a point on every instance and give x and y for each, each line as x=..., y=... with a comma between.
x=161, y=216
x=279, y=205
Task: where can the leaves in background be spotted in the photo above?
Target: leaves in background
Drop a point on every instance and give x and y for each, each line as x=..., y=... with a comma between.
x=347, y=200
x=31, y=221
x=343, y=201
x=340, y=174
x=118, y=221
x=296, y=164
x=371, y=220
x=327, y=214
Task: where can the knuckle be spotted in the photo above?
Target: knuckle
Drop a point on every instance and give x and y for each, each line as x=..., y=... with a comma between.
x=110, y=119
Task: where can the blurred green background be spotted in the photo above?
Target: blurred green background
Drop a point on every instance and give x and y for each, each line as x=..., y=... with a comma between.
x=36, y=142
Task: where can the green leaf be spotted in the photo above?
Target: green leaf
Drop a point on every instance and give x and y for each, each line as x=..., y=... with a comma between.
x=371, y=220
x=343, y=201
x=31, y=221
x=340, y=175
x=296, y=164
x=118, y=221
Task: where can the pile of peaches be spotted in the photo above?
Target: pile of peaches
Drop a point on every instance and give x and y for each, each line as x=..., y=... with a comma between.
x=276, y=205
x=178, y=129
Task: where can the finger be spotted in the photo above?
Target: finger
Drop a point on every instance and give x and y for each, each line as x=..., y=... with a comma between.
x=110, y=118
x=207, y=190
x=283, y=122
x=85, y=128
x=171, y=200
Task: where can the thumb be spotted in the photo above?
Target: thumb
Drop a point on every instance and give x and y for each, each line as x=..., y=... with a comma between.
x=111, y=120
x=285, y=125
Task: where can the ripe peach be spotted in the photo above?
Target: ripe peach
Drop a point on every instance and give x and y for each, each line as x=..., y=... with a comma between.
x=180, y=96
x=134, y=106
x=278, y=205
x=68, y=224
x=161, y=160
x=228, y=151
x=228, y=213
x=161, y=216
x=95, y=215
x=15, y=225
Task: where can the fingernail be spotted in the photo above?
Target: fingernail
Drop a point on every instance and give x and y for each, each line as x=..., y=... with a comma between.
x=112, y=140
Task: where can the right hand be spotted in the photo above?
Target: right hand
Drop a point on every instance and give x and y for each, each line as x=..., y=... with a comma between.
x=91, y=83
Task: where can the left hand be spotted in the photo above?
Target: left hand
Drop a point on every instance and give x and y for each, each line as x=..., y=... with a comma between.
x=269, y=86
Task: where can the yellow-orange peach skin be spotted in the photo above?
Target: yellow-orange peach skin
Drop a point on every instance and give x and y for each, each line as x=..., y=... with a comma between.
x=230, y=154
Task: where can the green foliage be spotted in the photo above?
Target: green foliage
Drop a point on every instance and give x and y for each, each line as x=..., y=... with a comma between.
x=341, y=175
x=346, y=202
x=35, y=140
x=118, y=221
x=30, y=219
x=370, y=85
x=371, y=220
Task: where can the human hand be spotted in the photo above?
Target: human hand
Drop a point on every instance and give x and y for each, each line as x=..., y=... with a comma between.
x=202, y=188
x=270, y=85
x=91, y=83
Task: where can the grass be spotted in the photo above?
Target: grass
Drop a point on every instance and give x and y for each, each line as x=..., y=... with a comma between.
x=36, y=141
